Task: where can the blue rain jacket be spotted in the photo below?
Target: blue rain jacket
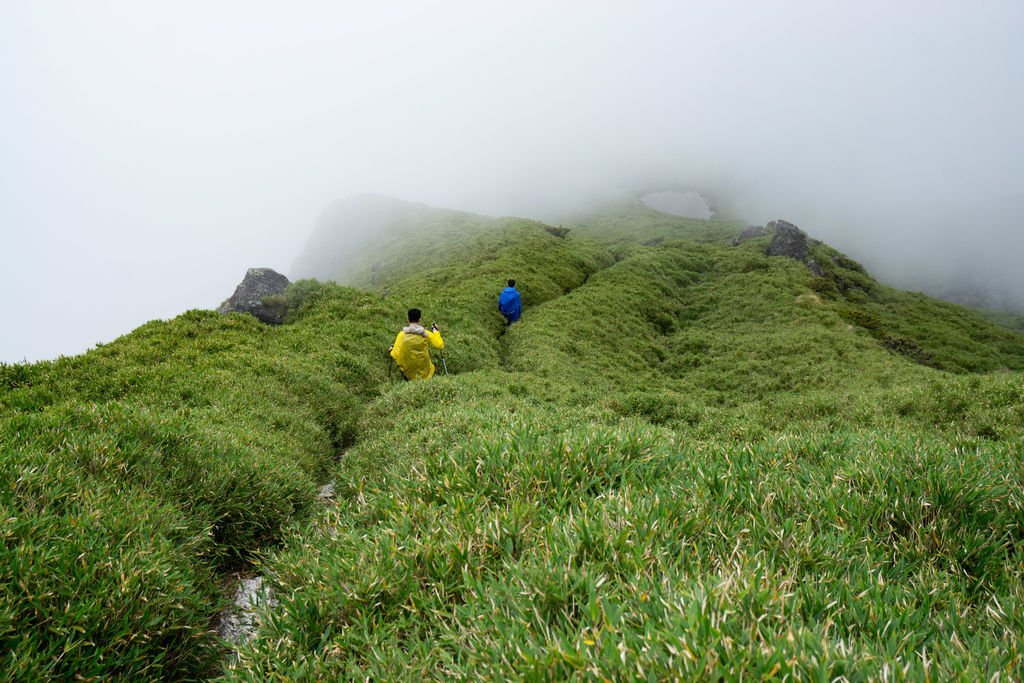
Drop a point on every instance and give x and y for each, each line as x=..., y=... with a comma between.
x=509, y=304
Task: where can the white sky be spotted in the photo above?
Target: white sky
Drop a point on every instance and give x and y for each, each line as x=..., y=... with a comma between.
x=150, y=152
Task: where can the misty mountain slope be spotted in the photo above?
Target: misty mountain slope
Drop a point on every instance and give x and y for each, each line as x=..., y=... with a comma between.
x=368, y=240
x=673, y=425
x=217, y=429
x=691, y=465
x=448, y=263
x=929, y=331
x=628, y=223
x=353, y=227
x=693, y=328
x=440, y=247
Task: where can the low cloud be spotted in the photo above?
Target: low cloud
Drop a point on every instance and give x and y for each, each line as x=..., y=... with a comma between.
x=153, y=154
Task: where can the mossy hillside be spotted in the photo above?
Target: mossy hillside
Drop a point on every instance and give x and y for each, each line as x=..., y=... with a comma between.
x=937, y=333
x=721, y=339
x=928, y=331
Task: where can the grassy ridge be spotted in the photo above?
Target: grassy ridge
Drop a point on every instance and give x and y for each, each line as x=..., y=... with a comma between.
x=217, y=431
x=686, y=460
x=135, y=473
x=694, y=465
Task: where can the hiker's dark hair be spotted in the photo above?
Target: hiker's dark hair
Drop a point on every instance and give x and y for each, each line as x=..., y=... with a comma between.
x=414, y=315
x=511, y=283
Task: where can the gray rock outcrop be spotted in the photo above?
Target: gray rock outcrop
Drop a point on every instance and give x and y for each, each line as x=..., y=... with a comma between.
x=240, y=622
x=258, y=284
x=789, y=240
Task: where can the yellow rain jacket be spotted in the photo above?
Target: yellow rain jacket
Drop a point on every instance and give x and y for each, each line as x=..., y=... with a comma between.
x=412, y=353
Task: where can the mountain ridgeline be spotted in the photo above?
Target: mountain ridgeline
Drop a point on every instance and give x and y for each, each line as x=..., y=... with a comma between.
x=688, y=459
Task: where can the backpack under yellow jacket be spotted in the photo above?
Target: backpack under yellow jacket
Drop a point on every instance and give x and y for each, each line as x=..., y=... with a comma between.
x=412, y=351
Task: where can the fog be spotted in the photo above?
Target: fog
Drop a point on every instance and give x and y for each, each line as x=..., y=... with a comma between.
x=151, y=152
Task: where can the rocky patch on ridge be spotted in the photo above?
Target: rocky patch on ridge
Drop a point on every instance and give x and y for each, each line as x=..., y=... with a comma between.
x=753, y=232
x=789, y=240
x=258, y=284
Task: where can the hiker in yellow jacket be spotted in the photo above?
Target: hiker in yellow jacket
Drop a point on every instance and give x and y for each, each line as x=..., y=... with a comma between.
x=412, y=348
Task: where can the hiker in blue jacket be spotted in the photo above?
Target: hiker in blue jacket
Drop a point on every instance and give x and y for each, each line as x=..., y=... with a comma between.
x=509, y=304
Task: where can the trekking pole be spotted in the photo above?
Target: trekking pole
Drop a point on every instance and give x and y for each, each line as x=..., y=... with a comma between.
x=434, y=327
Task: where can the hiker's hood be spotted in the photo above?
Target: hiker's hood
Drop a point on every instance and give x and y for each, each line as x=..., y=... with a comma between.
x=414, y=328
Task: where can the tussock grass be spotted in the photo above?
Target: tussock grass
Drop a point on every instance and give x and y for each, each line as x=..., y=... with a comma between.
x=137, y=472
x=501, y=542
x=94, y=580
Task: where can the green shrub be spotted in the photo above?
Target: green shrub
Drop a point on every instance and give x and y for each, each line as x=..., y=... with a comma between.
x=96, y=578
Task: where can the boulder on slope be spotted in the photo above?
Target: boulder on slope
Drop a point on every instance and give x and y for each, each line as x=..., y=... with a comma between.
x=258, y=284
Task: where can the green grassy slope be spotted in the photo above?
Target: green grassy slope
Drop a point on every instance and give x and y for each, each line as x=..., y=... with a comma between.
x=692, y=464
x=134, y=474
x=687, y=459
x=1011, y=321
